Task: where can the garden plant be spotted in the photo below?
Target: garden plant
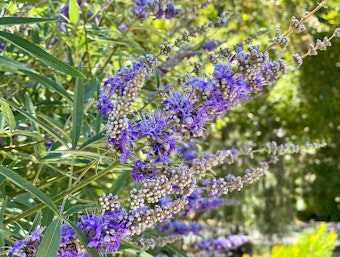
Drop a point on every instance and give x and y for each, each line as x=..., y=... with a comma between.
x=107, y=113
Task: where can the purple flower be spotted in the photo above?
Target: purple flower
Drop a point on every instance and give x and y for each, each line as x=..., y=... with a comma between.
x=27, y=246
x=188, y=152
x=162, y=142
x=211, y=45
x=144, y=8
x=2, y=46
x=170, y=11
x=205, y=244
x=104, y=103
x=142, y=171
x=164, y=201
x=68, y=245
x=179, y=228
x=222, y=244
x=104, y=232
x=237, y=240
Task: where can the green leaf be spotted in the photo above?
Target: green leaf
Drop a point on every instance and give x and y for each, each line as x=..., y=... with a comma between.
x=24, y=184
x=10, y=65
x=2, y=180
x=7, y=233
x=40, y=54
x=8, y=114
x=38, y=148
x=175, y=249
x=45, y=127
x=23, y=20
x=78, y=112
x=93, y=139
x=36, y=221
x=119, y=183
x=73, y=11
x=80, y=208
x=2, y=215
x=48, y=83
x=130, y=248
x=35, y=34
x=50, y=242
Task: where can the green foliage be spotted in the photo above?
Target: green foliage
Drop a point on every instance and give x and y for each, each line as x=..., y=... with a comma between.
x=316, y=242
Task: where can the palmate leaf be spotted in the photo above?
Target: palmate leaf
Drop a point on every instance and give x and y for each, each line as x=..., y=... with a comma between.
x=40, y=54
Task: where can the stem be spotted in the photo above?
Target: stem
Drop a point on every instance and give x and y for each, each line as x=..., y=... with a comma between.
x=302, y=20
x=63, y=194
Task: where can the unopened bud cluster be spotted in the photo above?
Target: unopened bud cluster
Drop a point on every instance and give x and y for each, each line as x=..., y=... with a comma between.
x=150, y=243
x=273, y=148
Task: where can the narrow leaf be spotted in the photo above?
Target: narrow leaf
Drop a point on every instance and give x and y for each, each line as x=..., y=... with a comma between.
x=38, y=148
x=7, y=233
x=45, y=127
x=22, y=20
x=24, y=184
x=73, y=11
x=48, y=83
x=93, y=139
x=8, y=114
x=36, y=221
x=40, y=54
x=80, y=208
x=130, y=248
x=50, y=242
x=119, y=183
x=10, y=65
x=176, y=250
x=78, y=112
x=2, y=214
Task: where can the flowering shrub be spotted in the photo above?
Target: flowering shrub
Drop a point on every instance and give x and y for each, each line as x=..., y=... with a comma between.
x=126, y=126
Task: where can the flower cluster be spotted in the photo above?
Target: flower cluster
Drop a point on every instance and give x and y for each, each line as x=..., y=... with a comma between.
x=27, y=246
x=221, y=244
x=116, y=100
x=144, y=8
x=198, y=203
x=179, y=228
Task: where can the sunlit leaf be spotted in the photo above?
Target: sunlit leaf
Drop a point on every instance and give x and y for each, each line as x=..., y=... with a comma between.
x=40, y=54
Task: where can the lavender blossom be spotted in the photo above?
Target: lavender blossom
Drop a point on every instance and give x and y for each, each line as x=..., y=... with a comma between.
x=68, y=245
x=144, y=8
x=27, y=246
x=104, y=231
x=187, y=151
x=221, y=244
x=211, y=45
x=2, y=46
x=179, y=228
